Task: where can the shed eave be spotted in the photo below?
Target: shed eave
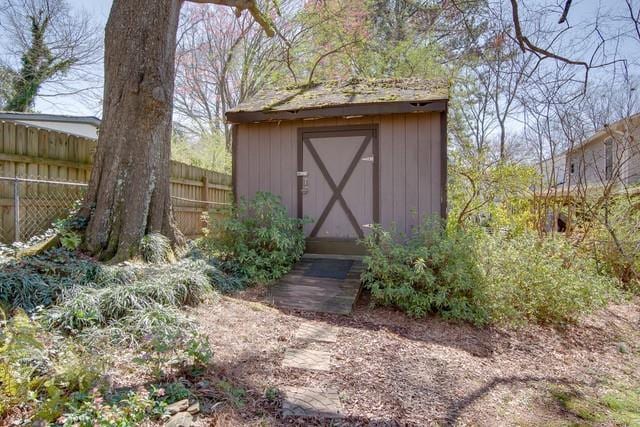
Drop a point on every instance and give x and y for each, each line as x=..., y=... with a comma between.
x=345, y=110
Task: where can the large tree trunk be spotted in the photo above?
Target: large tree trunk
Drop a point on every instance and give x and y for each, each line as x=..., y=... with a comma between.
x=128, y=193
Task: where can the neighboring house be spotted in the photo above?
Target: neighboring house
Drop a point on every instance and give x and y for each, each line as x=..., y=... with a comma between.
x=347, y=154
x=553, y=170
x=86, y=127
x=610, y=156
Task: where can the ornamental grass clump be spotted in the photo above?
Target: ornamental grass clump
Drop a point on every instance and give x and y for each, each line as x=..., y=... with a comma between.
x=146, y=287
x=37, y=281
x=156, y=249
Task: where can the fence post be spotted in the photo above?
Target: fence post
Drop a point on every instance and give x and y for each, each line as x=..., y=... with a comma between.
x=205, y=198
x=16, y=209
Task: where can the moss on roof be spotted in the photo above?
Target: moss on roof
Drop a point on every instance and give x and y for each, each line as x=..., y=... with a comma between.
x=345, y=92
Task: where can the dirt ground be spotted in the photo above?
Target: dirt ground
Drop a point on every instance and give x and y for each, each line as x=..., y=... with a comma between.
x=392, y=370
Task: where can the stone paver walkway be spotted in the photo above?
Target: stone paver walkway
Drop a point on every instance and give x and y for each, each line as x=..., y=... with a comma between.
x=317, y=332
x=308, y=402
x=307, y=359
x=303, y=402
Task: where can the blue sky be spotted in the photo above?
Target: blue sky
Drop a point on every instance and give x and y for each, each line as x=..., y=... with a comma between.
x=581, y=11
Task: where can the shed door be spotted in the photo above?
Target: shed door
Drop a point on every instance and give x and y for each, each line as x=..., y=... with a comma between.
x=337, y=182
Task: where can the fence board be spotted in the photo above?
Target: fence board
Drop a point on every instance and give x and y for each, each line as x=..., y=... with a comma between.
x=37, y=153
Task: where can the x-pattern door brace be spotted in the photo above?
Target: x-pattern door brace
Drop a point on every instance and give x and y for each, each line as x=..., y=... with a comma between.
x=337, y=189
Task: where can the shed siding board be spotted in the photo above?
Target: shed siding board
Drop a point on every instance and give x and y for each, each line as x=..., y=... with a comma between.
x=424, y=161
x=409, y=162
x=242, y=158
x=386, y=172
x=399, y=171
x=434, y=125
x=411, y=184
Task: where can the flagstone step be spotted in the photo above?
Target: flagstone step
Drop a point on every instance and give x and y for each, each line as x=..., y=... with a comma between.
x=307, y=359
x=317, y=332
x=304, y=402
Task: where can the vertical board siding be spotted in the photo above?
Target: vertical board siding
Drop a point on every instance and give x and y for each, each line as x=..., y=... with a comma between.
x=412, y=195
x=436, y=165
x=31, y=152
x=399, y=171
x=410, y=168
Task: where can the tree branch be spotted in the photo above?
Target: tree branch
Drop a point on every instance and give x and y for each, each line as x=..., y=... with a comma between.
x=565, y=12
x=241, y=5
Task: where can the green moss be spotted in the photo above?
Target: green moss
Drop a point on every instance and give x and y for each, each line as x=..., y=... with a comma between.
x=621, y=406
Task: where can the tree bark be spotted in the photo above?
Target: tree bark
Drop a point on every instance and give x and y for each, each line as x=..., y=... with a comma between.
x=128, y=194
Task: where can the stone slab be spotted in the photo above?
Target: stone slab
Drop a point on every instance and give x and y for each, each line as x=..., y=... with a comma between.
x=304, y=402
x=307, y=359
x=317, y=332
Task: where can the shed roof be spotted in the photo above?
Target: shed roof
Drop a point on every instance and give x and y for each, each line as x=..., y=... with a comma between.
x=337, y=97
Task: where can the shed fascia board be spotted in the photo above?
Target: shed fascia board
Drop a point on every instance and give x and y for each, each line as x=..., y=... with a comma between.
x=369, y=109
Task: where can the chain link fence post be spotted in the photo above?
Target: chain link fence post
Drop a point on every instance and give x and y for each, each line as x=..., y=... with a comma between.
x=16, y=209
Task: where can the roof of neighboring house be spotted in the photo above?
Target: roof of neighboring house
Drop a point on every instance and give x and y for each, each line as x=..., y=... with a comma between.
x=606, y=130
x=90, y=120
x=356, y=96
x=600, y=134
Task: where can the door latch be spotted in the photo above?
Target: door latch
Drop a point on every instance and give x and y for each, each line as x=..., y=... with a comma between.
x=305, y=181
x=367, y=159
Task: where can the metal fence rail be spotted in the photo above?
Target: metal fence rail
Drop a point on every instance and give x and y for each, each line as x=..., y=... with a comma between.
x=29, y=206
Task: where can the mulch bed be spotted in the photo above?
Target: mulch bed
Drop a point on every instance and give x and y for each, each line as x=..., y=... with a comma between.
x=393, y=370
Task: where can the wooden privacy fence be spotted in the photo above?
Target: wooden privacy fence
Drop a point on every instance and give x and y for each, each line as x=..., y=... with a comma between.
x=53, y=168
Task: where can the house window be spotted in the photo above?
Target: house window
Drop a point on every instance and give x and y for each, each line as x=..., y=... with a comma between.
x=608, y=158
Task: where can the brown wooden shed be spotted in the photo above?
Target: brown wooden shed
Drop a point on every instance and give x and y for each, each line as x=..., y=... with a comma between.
x=347, y=154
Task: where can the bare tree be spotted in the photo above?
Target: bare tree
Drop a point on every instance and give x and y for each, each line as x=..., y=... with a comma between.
x=47, y=43
x=221, y=60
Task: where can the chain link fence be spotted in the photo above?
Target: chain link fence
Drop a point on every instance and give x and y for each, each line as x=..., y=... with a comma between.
x=29, y=206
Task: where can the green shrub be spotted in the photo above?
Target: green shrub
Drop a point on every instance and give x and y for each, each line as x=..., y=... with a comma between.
x=41, y=370
x=257, y=240
x=613, y=238
x=477, y=277
x=432, y=272
x=540, y=280
x=68, y=229
x=127, y=409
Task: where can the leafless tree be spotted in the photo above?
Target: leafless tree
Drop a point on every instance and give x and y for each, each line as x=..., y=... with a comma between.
x=50, y=50
x=221, y=60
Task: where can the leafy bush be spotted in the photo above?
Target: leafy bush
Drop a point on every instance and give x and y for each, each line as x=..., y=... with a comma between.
x=33, y=371
x=257, y=240
x=482, y=278
x=614, y=239
x=431, y=272
x=540, y=280
x=127, y=409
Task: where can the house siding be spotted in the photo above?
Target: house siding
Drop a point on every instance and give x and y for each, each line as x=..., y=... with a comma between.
x=410, y=163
